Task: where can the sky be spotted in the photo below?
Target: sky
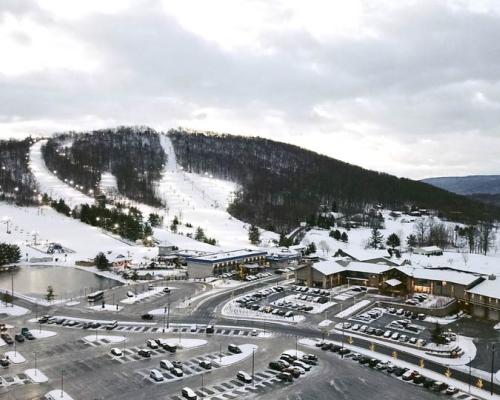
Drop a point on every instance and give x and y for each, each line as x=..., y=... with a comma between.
x=407, y=87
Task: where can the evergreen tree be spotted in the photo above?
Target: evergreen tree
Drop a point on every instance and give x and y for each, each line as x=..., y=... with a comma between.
x=9, y=253
x=7, y=298
x=148, y=231
x=437, y=334
x=376, y=238
x=411, y=241
x=254, y=234
x=393, y=241
x=101, y=261
x=50, y=293
x=344, y=237
x=311, y=248
x=200, y=235
x=154, y=220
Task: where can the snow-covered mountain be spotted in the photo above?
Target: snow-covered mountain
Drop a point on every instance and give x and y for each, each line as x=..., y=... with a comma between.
x=466, y=185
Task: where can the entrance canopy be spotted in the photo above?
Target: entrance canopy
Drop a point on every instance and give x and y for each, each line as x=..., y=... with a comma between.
x=393, y=282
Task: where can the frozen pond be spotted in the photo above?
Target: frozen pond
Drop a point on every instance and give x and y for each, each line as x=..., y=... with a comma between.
x=67, y=282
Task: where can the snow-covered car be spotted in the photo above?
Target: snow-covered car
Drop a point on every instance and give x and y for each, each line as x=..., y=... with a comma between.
x=130, y=294
x=156, y=375
x=243, y=376
x=116, y=352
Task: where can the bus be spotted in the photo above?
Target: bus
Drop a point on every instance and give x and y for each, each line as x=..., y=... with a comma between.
x=95, y=296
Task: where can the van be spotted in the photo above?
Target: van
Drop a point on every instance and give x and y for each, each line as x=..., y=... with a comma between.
x=193, y=328
x=210, y=329
x=188, y=393
x=156, y=375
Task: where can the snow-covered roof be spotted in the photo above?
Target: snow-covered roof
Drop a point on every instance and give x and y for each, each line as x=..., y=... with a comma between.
x=393, y=282
x=367, y=267
x=328, y=267
x=488, y=288
x=439, y=274
x=365, y=254
x=228, y=255
x=430, y=249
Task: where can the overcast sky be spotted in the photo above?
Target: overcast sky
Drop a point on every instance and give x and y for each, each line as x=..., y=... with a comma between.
x=407, y=87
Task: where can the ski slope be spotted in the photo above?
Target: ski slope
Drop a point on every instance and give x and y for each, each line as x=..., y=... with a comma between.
x=202, y=201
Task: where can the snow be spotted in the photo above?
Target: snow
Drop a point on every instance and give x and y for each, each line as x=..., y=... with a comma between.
x=202, y=201
x=425, y=372
x=497, y=326
x=144, y=295
x=246, y=351
x=58, y=394
x=110, y=339
x=107, y=307
x=15, y=357
x=41, y=334
x=36, y=375
x=186, y=343
x=13, y=310
x=72, y=303
x=325, y=323
x=353, y=309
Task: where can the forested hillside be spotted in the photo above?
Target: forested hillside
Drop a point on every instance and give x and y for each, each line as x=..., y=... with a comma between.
x=133, y=155
x=282, y=184
x=473, y=184
x=17, y=184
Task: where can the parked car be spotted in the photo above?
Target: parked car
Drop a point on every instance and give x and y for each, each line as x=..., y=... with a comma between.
x=4, y=362
x=193, y=328
x=147, y=316
x=6, y=338
x=209, y=329
x=166, y=290
x=177, y=372
x=156, y=375
x=152, y=344
x=277, y=366
x=177, y=364
x=451, y=391
x=144, y=352
x=188, y=393
x=116, y=352
x=166, y=364
x=243, y=376
x=130, y=294
x=19, y=338
x=205, y=364
x=285, y=376
x=232, y=348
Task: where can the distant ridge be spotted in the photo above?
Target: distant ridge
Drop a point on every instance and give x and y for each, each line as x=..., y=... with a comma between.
x=467, y=185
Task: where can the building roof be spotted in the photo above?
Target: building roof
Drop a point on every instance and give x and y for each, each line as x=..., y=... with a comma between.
x=227, y=255
x=393, y=282
x=328, y=267
x=367, y=267
x=440, y=274
x=488, y=288
x=366, y=254
x=430, y=249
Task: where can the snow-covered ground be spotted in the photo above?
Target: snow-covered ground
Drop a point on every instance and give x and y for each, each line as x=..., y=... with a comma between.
x=58, y=394
x=36, y=376
x=202, y=200
x=246, y=351
x=156, y=290
x=186, y=343
x=233, y=310
x=109, y=339
x=15, y=357
x=107, y=307
x=41, y=334
x=318, y=308
x=353, y=309
x=13, y=310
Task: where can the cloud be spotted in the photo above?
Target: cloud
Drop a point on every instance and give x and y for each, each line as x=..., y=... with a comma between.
x=407, y=87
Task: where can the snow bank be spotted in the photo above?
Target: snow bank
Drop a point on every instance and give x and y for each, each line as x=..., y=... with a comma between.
x=325, y=323
x=246, y=351
x=108, y=338
x=107, y=307
x=15, y=357
x=41, y=334
x=144, y=295
x=353, y=309
x=36, y=376
x=13, y=310
x=186, y=343
x=58, y=394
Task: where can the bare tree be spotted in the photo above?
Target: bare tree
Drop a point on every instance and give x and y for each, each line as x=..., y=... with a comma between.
x=324, y=247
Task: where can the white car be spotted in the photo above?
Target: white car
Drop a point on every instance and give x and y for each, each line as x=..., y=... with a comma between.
x=166, y=364
x=116, y=352
x=156, y=375
x=152, y=344
x=130, y=294
x=193, y=328
x=387, y=334
x=243, y=376
x=188, y=393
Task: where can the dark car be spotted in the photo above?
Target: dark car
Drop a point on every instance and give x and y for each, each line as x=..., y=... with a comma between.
x=144, y=352
x=87, y=325
x=418, y=379
x=44, y=319
x=205, y=364
x=344, y=351
x=4, y=362
x=147, y=316
x=233, y=348
x=326, y=346
x=428, y=382
x=276, y=366
x=400, y=371
x=172, y=348
x=29, y=336
x=285, y=376
x=19, y=338
x=7, y=339
x=364, y=360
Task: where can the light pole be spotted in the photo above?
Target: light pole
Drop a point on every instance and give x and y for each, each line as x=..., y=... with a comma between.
x=492, y=367
x=164, y=314
x=253, y=366
x=35, y=361
x=62, y=384
x=470, y=371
